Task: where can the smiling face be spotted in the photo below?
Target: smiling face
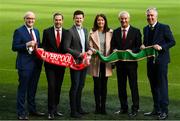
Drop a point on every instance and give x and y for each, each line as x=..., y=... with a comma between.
x=29, y=19
x=100, y=22
x=78, y=19
x=58, y=21
x=151, y=16
x=124, y=20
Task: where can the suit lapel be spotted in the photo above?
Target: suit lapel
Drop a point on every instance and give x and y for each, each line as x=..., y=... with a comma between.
x=76, y=35
x=119, y=37
x=156, y=33
x=146, y=31
x=52, y=37
x=26, y=33
x=129, y=33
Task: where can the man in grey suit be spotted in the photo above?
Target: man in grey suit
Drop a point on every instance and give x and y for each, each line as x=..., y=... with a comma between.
x=77, y=45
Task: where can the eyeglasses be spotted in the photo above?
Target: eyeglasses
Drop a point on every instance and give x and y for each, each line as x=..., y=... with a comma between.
x=30, y=18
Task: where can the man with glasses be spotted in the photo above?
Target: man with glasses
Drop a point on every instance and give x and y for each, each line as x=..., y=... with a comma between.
x=25, y=40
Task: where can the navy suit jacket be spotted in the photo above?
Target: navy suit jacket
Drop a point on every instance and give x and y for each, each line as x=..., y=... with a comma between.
x=25, y=61
x=163, y=37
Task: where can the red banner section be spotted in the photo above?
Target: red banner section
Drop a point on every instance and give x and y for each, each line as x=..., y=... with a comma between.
x=66, y=60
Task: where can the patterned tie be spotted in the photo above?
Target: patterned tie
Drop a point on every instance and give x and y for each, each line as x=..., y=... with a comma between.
x=32, y=37
x=58, y=38
x=123, y=37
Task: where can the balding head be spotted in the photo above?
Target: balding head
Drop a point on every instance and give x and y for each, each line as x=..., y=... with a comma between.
x=29, y=13
x=29, y=19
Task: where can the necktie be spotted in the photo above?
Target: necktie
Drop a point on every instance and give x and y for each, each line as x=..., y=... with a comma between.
x=123, y=37
x=151, y=27
x=32, y=37
x=58, y=38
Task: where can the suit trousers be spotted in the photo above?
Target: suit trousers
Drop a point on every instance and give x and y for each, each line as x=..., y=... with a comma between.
x=55, y=78
x=77, y=85
x=157, y=74
x=100, y=89
x=127, y=70
x=28, y=81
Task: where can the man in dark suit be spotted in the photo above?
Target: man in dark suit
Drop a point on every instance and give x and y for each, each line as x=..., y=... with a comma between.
x=127, y=38
x=25, y=40
x=160, y=37
x=77, y=45
x=53, y=41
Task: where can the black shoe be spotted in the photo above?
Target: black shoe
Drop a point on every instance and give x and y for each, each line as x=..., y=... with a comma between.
x=153, y=113
x=163, y=116
x=133, y=114
x=50, y=116
x=82, y=112
x=75, y=115
x=36, y=114
x=22, y=118
x=122, y=111
x=58, y=114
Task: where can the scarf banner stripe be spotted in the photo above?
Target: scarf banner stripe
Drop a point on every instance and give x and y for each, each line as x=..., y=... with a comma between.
x=123, y=55
x=66, y=60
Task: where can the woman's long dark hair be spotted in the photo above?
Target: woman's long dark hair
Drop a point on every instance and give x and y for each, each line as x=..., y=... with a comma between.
x=95, y=26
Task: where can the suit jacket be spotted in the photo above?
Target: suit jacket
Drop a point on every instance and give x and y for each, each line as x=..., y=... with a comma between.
x=94, y=43
x=25, y=61
x=133, y=40
x=49, y=43
x=163, y=37
x=73, y=43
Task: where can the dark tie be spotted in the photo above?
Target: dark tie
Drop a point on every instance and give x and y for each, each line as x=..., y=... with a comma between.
x=123, y=37
x=58, y=38
x=152, y=28
x=32, y=37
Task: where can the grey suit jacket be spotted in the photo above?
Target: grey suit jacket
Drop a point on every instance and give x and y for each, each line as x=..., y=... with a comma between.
x=73, y=45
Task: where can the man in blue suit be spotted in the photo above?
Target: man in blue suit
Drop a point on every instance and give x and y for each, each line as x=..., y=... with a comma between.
x=25, y=40
x=160, y=37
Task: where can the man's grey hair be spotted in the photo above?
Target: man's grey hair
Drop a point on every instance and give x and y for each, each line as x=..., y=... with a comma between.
x=28, y=13
x=122, y=13
x=152, y=9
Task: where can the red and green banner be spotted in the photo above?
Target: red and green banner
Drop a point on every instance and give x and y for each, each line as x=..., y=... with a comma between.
x=67, y=60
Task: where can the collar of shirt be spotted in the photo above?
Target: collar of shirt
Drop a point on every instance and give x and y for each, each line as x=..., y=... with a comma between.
x=153, y=24
x=29, y=28
x=60, y=29
x=79, y=27
x=127, y=28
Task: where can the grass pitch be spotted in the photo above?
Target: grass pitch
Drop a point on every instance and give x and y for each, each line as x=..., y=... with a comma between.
x=11, y=17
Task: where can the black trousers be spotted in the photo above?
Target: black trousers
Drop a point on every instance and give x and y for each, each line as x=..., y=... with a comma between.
x=157, y=74
x=100, y=89
x=77, y=85
x=55, y=78
x=127, y=70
